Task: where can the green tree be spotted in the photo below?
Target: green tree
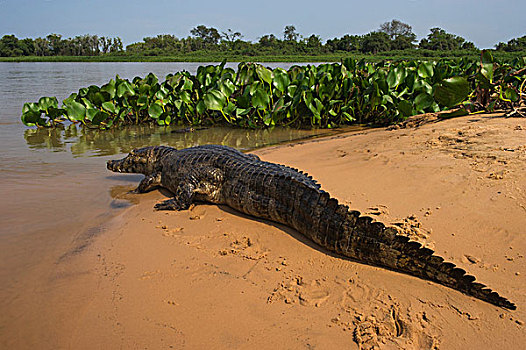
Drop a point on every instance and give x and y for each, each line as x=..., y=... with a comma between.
x=55, y=44
x=104, y=44
x=314, y=42
x=290, y=34
x=210, y=36
x=513, y=45
x=41, y=47
x=401, y=34
x=9, y=46
x=231, y=36
x=375, y=42
x=438, y=39
x=345, y=43
x=268, y=40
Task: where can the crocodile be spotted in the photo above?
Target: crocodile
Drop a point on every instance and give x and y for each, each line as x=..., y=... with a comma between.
x=224, y=175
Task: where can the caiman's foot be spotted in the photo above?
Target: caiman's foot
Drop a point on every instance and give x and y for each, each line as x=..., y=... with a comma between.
x=171, y=204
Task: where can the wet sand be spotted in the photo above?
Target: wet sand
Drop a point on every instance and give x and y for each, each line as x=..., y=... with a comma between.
x=214, y=278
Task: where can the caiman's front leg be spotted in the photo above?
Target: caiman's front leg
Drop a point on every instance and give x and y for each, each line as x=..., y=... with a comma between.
x=182, y=198
x=149, y=183
x=201, y=180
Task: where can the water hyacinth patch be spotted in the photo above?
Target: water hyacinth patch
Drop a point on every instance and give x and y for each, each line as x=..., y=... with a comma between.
x=324, y=96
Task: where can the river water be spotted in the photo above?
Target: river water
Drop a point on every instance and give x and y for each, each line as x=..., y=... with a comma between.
x=54, y=187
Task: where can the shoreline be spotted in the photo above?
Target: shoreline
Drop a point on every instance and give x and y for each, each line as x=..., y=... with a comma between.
x=212, y=277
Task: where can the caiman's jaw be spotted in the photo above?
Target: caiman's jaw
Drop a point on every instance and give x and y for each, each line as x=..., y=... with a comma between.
x=130, y=164
x=139, y=161
x=116, y=166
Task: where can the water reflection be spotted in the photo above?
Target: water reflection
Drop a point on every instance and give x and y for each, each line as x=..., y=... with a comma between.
x=122, y=196
x=82, y=141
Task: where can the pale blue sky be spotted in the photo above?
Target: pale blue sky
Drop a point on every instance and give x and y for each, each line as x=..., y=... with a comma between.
x=484, y=22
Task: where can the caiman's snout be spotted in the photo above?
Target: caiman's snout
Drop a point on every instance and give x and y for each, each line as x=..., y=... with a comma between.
x=113, y=165
x=138, y=161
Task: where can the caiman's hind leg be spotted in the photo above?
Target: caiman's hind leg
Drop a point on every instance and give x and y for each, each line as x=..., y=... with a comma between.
x=149, y=183
x=203, y=181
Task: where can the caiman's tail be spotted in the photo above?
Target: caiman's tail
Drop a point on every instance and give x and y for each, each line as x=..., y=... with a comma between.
x=383, y=246
x=370, y=242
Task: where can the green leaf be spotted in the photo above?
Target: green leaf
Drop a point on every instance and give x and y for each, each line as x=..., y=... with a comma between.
x=396, y=76
x=188, y=84
x=125, y=89
x=109, y=106
x=260, y=99
x=278, y=106
x=215, y=100
x=486, y=69
x=96, y=98
x=227, y=88
x=406, y=108
x=144, y=89
x=425, y=70
x=109, y=89
x=34, y=107
x=200, y=107
x=510, y=94
x=75, y=110
x=242, y=111
x=280, y=79
x=486, y=57
x=45, y=102
x=155, y=111
x=91, y=113
x=87, y=103
x=54, y=113
x=423, y=101
x=422, y=86
x=32, y=118
x=291, y=90
x=185, y=96
x=141, y=101
x=100, y=117
x=160, y=95
x=264, y=74
x=450, y=92
x=230, y=108
x=71, y=97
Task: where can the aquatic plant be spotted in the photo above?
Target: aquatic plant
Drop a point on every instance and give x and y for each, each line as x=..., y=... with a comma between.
x=328, y=95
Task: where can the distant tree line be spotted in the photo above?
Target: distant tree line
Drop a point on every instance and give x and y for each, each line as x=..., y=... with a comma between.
x=55, y=45
x=393, y=35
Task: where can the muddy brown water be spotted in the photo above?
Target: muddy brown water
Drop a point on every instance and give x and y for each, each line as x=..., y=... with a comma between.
x=55, y=191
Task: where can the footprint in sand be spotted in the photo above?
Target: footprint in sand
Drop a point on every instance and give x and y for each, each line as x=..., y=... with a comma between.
x=377, y=321
x=411, y=227
x=377, y=210
x=173, y=232
x=146, y=275
x=244, y=247
x=297, y=291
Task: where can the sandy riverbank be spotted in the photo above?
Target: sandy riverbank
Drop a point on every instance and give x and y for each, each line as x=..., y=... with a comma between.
x=214, y=278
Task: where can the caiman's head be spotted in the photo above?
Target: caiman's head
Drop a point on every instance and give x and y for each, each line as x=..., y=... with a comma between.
x=140, y=160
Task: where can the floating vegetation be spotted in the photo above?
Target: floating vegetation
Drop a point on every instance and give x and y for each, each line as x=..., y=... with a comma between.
x=328, y=95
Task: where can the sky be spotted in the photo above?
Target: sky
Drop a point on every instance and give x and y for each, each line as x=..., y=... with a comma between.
x=483, y=22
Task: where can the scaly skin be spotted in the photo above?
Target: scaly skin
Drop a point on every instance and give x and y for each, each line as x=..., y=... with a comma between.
x=223, y=175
